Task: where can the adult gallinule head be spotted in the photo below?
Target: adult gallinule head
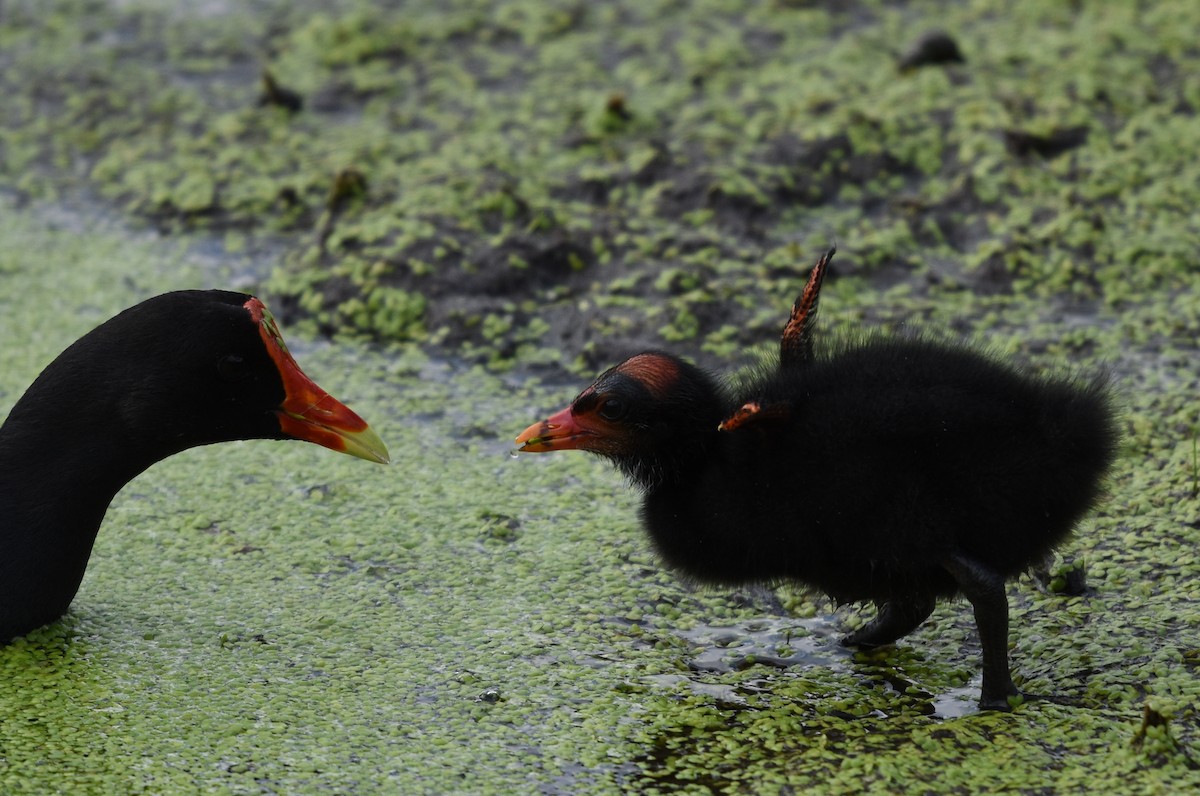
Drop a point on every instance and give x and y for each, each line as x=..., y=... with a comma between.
x=896, y=471
x=179, y=370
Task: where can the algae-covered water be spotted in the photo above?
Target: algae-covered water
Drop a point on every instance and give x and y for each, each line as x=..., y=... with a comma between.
x=540, y=186
x=272, y=617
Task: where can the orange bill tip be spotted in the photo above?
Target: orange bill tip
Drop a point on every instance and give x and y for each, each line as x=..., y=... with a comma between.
x=555, y=433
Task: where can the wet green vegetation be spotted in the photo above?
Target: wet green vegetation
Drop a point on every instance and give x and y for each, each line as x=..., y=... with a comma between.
x=537, y=187
x=542, y=181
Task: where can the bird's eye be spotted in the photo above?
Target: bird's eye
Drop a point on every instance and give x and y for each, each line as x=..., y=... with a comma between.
x=232, y=367
x=612, y=408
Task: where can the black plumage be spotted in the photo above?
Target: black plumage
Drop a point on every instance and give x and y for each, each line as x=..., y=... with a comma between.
x=176, y=371
x=891, y=470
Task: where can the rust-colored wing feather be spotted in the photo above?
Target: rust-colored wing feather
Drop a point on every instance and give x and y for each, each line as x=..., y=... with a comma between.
x=795, y=344
x=795, y=347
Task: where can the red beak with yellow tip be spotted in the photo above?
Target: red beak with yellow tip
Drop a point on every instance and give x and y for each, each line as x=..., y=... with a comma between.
x=308, y=412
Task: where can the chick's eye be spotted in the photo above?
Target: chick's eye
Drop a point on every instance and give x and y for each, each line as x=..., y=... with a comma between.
x=232, y=367
x=612, y=408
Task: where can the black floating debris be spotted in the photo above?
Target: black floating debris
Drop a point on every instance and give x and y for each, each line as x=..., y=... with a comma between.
x=615, y=104
x=1068, y=579
x=617, y=114
x=348, y=184
x=1163, y=743
x=1021, y=143
x=932, y=49
x=489, y=695
x=277, y=95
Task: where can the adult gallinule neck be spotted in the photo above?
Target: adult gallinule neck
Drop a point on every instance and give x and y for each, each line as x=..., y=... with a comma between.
x=897, y=471
x=179, y=370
